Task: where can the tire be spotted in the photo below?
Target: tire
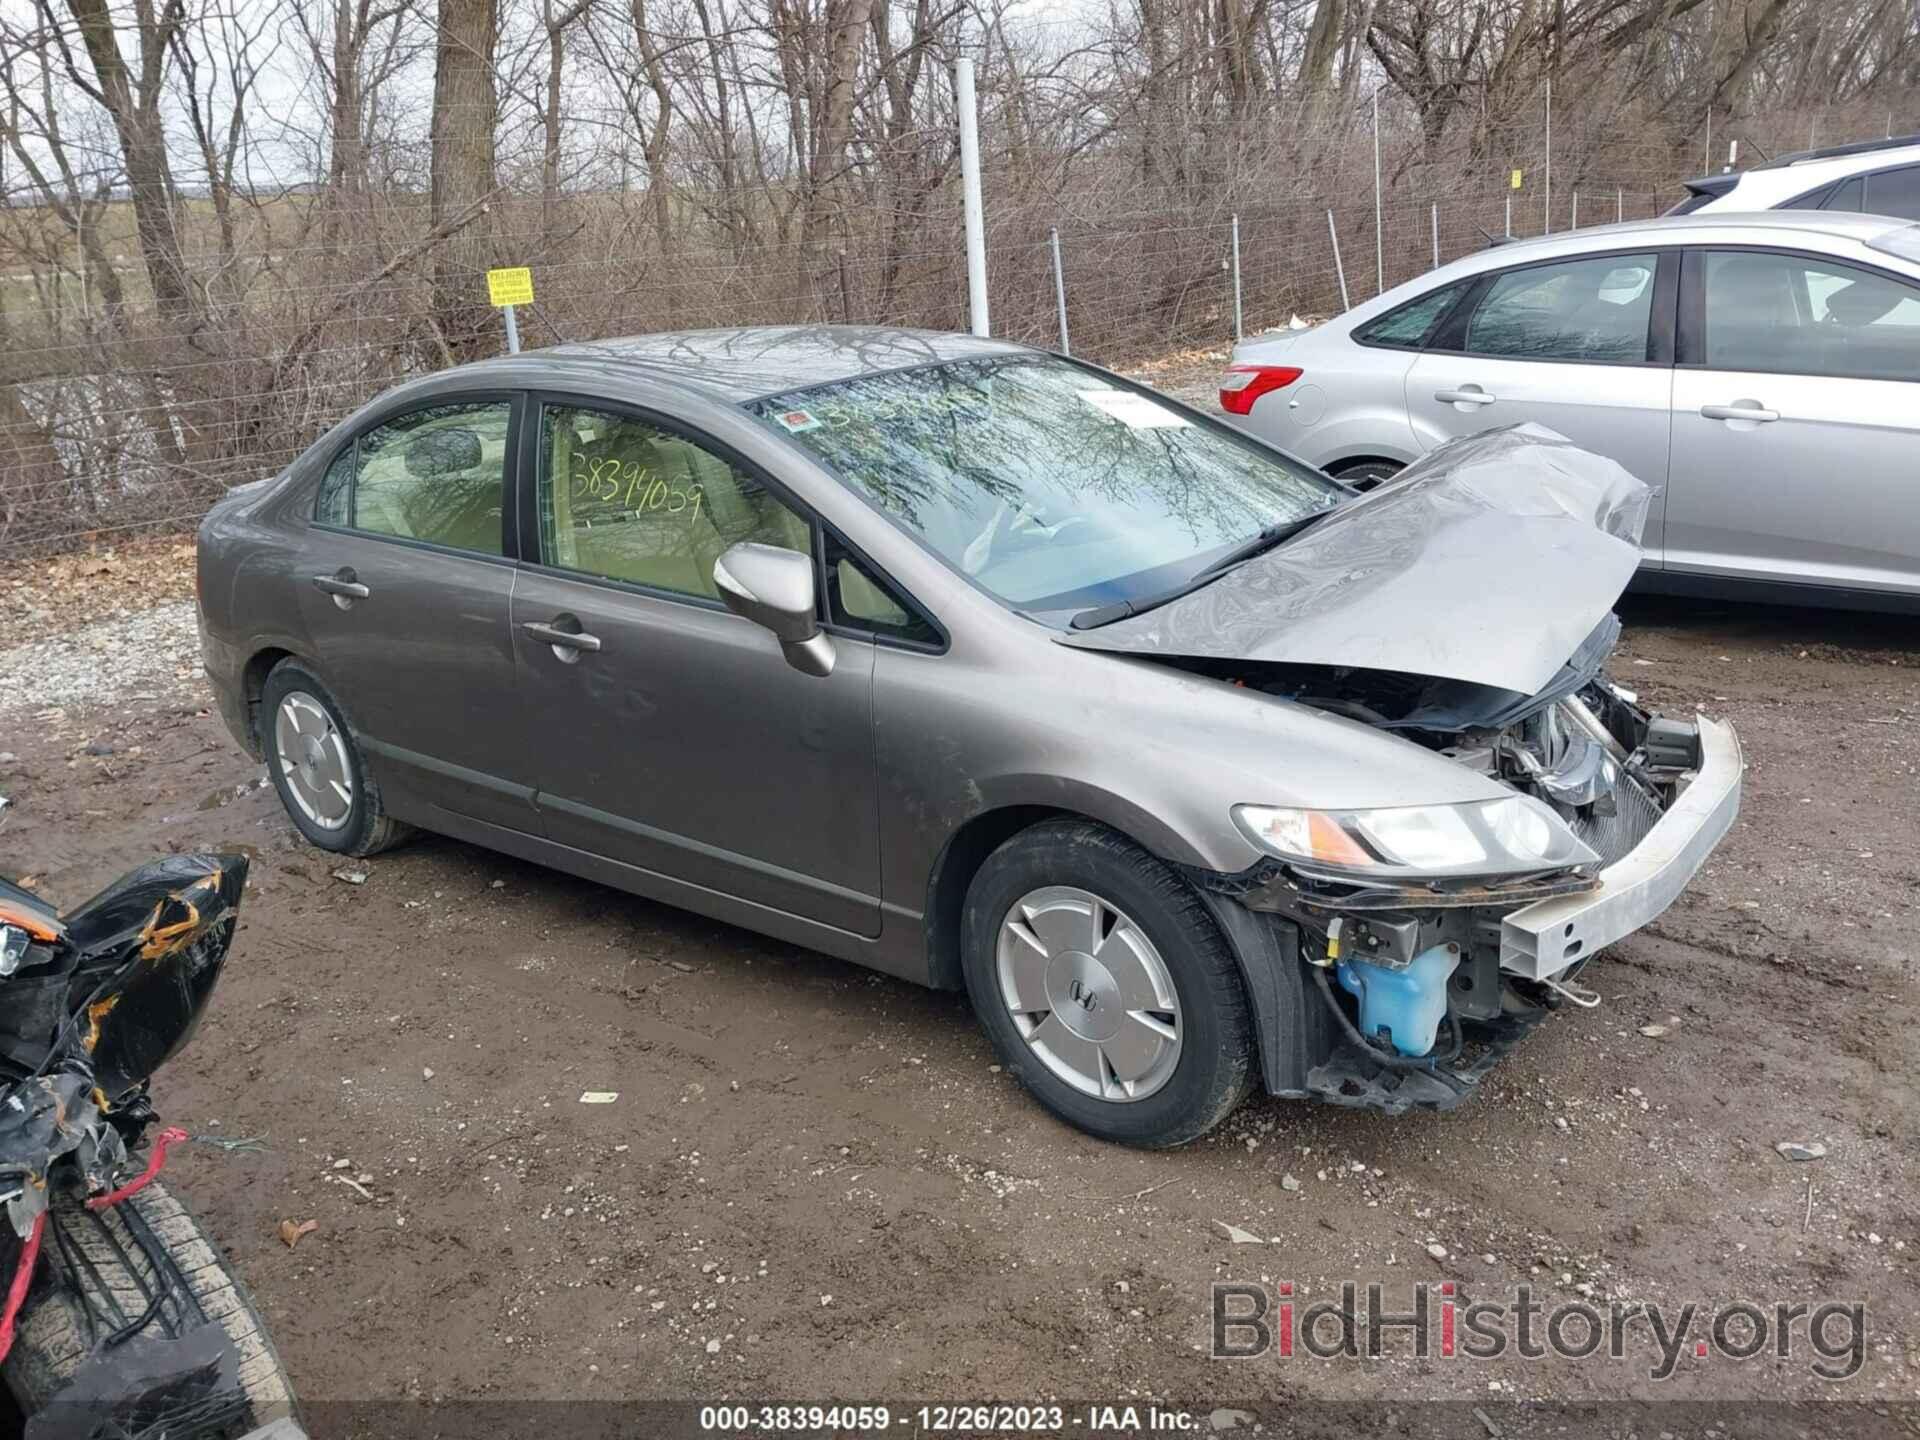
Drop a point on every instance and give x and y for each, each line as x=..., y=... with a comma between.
x=1053, y=873
x=1367, y=474
x=118, y=1281
x=307, y=792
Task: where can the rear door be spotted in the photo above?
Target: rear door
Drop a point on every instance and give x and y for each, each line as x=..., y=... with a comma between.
x=1796, y=422
x=1581, y=345
x=405, y=581
x=675, y=737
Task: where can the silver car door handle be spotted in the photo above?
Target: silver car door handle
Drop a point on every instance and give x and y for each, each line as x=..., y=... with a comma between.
x=566, y=639
x=1738, y=412
x=334, y=585
x=1464, y=397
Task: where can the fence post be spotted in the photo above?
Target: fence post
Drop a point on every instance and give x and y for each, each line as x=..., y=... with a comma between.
x=1379, y=244
x=1059, y=288
x=970, y=191
x=1338, y=268
x=1239, y=325
x=1546, y=223
x=1436, y=234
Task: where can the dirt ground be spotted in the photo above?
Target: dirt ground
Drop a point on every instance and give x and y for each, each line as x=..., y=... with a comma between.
x=815, y=1183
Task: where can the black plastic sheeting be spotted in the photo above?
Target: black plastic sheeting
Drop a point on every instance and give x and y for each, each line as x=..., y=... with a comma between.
x=85, y=1020
x=92, y=1014
x=152, y=1385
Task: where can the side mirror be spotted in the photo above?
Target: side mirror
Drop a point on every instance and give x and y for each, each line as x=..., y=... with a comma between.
x=774, y=589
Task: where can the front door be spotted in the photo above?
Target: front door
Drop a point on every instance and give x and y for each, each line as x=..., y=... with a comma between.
x=1569, y=344
x=1796, y=423
x=405, y=587
x=670, y=734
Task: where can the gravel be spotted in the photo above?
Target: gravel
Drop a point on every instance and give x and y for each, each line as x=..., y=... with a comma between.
x=141, y=653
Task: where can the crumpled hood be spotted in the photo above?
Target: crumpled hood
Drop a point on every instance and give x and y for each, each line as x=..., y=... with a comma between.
x=1488, y=560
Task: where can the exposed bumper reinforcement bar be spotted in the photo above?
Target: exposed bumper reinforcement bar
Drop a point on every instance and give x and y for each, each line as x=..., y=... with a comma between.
x=1544, y=938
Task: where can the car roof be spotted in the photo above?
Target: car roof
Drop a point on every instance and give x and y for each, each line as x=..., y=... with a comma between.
x=1701, y=227
x=742, y=364
x=1791, y=176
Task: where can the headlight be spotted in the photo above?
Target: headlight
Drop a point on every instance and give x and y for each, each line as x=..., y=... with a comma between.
x=1486, y=837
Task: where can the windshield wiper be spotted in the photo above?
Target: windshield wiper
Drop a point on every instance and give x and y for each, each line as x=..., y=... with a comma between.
x=1258, y=544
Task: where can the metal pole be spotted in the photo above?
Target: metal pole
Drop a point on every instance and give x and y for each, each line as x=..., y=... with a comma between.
x=970, y=190
x=513, y=330
x=1379, y=244
x=1619, y=203
x=1239, y=323
x=1546, y=226
x=1436, y=234
x=1060, y=289
x=1706, y=162
x=1338, y=268
x=1574, y=222
x=1733, y=155
x=1509, y=214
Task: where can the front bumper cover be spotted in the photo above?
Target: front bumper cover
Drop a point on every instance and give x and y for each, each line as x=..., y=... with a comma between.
x=1543, y=939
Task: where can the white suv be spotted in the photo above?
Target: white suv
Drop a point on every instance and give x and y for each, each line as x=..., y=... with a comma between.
x=1880, y=177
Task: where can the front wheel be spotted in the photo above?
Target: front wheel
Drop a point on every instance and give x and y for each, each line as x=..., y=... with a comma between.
x=142, y=1268
x=1105, y=986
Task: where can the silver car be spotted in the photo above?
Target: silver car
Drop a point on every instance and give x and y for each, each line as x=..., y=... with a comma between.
x=1759, y=372
x=987, y=668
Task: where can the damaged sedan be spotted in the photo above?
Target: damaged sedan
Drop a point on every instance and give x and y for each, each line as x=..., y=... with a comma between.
x=990, y=669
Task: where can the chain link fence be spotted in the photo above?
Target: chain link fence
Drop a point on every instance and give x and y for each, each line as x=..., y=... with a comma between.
x=120, y=412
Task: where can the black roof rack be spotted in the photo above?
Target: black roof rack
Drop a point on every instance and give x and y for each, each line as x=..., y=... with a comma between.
x=1834, y=152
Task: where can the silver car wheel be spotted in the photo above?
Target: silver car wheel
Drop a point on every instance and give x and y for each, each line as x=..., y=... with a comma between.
x=312, y=756
x=1089, y=993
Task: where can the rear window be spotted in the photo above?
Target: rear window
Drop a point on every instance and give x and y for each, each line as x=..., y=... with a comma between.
x=1408, y=326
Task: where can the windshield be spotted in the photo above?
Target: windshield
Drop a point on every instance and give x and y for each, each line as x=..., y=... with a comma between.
x=1053, y=488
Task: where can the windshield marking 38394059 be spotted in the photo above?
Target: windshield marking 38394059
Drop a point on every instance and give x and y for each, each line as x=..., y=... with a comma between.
x=1054, y=488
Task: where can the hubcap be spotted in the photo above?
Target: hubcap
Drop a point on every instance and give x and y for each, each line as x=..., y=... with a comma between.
x=1089, y=993
x=312, y=755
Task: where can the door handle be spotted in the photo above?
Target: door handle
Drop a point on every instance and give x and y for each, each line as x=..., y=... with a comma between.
x=344, y=586
x=574, y=640
x=1744, y=410
x=1470, y=396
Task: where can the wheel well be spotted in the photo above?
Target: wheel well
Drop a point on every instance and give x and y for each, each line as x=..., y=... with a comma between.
x=1354, y=462
x=953, y=875
x=253, y=682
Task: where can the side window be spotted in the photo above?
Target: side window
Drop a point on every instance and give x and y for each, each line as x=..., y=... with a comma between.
x=858, y=600
x=1895, y=192
x=1408, y=326
x=626, y=499
x=436, y=474
x=1797, y=315
x=1845, y=196
x=1594, y=310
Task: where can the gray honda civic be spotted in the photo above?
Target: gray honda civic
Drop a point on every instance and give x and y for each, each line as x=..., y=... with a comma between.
x=988, y=668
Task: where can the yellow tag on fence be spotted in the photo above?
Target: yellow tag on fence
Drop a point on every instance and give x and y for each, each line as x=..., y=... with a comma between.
x=1513, y=184
x=515, y=286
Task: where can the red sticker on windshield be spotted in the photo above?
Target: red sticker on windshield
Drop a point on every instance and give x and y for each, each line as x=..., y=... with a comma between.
x=797, y=421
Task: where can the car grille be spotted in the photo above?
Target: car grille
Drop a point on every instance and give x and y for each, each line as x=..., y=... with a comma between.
x=1612, y=836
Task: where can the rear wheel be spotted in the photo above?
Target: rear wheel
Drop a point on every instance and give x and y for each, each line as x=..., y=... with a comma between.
x=105, y=1280
x=318, y=768
x=1105, y=986
x=1366, y=474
